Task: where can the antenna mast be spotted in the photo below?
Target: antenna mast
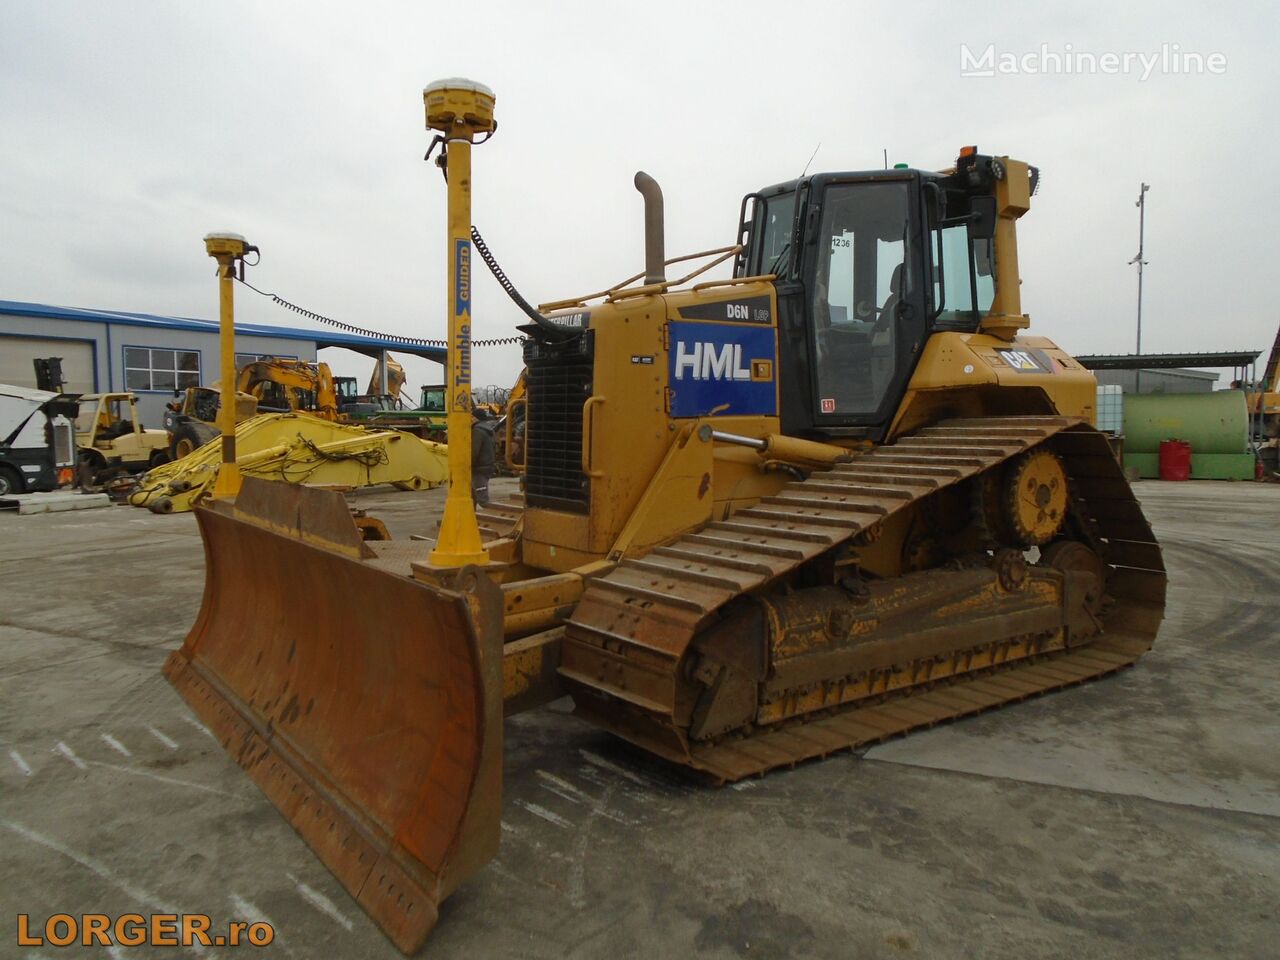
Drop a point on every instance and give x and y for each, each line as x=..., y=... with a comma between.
x=1141, y=262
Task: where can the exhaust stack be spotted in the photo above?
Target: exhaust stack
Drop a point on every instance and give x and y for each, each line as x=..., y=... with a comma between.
x=654, y=242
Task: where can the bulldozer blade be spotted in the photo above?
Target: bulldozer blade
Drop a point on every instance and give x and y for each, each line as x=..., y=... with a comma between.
x=366, y=705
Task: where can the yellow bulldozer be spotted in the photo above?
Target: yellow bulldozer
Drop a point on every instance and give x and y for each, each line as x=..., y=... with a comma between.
x=836, y=497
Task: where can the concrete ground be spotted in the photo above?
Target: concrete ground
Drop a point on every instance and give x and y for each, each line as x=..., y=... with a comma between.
x=1135, y=817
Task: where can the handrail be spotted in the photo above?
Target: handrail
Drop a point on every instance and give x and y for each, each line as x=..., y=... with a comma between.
x=507, y=427
x=588, y=434
x=617, y=290
x=734, y=281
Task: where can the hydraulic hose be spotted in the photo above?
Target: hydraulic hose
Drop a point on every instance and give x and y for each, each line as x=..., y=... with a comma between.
x=553, y=330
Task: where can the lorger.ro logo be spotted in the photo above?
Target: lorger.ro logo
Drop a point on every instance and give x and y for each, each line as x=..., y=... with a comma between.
x=134, y=930
x=713, y=361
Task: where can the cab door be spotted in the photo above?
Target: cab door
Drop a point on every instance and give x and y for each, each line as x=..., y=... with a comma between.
x=866, y=297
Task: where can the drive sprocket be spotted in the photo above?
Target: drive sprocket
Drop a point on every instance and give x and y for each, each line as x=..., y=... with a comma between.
x=1035, y=497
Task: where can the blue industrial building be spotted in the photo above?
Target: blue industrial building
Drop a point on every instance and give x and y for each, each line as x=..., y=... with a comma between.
x=151, y=355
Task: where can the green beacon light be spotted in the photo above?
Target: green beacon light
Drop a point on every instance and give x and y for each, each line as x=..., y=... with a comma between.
x=900, y=166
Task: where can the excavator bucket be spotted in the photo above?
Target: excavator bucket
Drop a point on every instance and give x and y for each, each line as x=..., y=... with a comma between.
x=365, y=704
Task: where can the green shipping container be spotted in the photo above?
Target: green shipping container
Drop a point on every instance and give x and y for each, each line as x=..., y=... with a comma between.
x=1215, y=424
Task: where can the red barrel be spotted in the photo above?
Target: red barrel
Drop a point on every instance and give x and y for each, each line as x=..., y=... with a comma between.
x=1175, y=460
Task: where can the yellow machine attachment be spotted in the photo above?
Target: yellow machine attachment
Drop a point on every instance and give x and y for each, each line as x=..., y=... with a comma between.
x=834, y=498
x=297, y=448
x=1264, y=400
x=381, y=744
x=395, y=379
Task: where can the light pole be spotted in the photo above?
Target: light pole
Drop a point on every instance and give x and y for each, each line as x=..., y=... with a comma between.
x=1142, y=225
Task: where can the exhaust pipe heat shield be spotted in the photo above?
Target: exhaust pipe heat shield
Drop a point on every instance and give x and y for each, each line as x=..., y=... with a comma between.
x=366, y=705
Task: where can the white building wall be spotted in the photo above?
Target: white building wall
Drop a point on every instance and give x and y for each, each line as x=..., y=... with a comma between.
x=109, y=341
x=60, y=331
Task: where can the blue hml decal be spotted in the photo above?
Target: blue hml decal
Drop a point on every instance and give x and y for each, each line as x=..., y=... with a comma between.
x=722, y=370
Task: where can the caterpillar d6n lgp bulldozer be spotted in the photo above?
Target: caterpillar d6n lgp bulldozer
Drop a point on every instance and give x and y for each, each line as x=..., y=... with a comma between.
x=836, y=497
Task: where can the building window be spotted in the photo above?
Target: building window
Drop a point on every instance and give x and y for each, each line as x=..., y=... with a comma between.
x=152, y=369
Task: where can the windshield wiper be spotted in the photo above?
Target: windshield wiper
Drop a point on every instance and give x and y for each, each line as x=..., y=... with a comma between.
x=773, y=268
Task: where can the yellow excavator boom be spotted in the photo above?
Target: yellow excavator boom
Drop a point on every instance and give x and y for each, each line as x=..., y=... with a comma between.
x=297, y=448
x=382, y=746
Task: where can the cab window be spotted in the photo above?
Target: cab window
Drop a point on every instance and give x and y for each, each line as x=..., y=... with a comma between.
x=777, y=217
x=963, y=277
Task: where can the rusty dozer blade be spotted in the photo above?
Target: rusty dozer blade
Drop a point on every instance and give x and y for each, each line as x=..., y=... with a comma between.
x=366, y=705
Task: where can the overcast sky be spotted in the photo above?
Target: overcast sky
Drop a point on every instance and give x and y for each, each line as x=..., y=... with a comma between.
x=130, y=130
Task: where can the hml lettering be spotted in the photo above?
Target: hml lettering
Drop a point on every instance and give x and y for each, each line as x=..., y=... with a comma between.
x=709, y=361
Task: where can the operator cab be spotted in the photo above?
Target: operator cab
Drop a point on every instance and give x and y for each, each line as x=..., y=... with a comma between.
x=347, y=390
x=432, y=399
x=106, y=418
x=867, y=266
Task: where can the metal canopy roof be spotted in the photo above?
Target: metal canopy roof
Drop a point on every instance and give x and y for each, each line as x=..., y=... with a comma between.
x=370, y=346
x=1167, y=361
x=25, y=393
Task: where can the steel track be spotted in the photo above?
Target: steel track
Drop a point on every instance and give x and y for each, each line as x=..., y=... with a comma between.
x=625, y=641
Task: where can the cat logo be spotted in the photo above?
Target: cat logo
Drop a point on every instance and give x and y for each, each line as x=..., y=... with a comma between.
x=1024, y=361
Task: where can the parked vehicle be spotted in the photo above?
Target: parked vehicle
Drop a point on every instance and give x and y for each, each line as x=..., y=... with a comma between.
x=191, y=421
x=112, y=440
x=37, y=440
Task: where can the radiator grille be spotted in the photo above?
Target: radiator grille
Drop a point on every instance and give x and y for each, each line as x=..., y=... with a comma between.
x=558, y=380
x=64, y=442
